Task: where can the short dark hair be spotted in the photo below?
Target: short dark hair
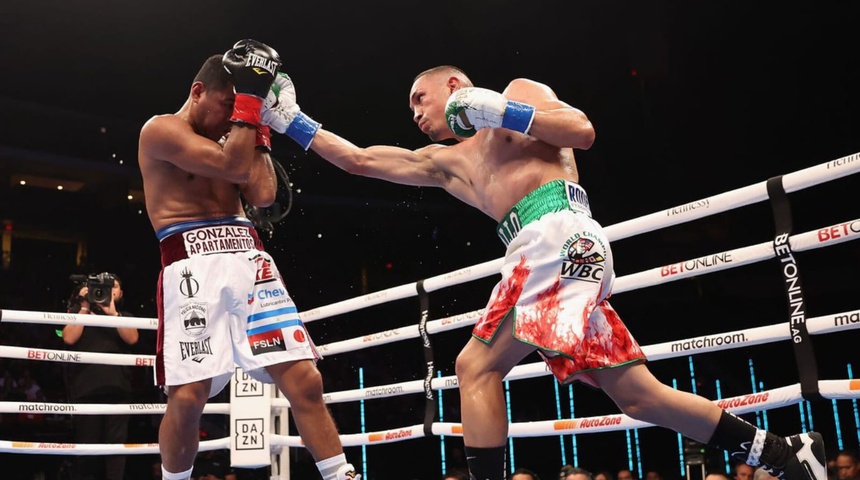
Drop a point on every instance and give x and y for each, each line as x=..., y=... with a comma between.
x=213, y=75
x=457, y=473
x=451, y=69
x=850, y=454
x=580, y=471
x=735, y=466
x=525, y=471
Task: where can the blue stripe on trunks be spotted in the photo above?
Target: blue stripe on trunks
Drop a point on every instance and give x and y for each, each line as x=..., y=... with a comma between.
x=271, y=313
x=274, y=326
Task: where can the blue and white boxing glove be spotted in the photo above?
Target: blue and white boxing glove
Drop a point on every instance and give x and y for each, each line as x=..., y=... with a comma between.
x=283, y=115
x=471, y=109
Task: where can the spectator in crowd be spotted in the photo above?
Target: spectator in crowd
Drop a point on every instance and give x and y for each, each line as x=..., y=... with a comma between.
x=456, y=474
x=562, y=473
x=523, y=474
x=742, y=471
x=7, y=380
x=28, y=387
x=577, y=473
x=762, y=474
x=847, y=465
x=625, y=474
x=716, y=475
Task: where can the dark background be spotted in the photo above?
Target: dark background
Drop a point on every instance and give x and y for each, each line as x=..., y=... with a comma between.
x=688, y=99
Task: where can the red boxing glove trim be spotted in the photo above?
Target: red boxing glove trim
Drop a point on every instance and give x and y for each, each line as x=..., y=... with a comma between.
x=246, y=109
x=264, y=138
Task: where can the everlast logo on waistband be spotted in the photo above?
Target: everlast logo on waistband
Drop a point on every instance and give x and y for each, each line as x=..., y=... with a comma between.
x=259, y=62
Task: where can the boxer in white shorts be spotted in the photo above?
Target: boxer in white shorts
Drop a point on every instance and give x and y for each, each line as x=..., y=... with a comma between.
x=556, y=279
x=221, y=300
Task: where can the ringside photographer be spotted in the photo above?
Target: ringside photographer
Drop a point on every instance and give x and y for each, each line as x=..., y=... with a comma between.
x=99, y=294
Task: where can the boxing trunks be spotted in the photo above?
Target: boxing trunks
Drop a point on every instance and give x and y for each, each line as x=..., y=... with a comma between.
x=221, y=302
x=556, y=278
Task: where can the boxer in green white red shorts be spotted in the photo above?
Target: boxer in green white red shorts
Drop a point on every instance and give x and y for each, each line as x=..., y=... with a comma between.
x=556, y=279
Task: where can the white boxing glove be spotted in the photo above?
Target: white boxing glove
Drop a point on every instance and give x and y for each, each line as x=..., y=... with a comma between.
x=283, y=115
x=470, y=109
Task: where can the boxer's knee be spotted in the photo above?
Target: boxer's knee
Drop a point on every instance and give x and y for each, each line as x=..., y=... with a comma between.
x=473, y=367
x=189, y=399
x=301, y=382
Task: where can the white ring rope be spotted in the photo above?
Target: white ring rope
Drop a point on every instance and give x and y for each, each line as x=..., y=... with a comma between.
x=765, y=400
x=673, y=349
x=54, y=448
x=698, y=209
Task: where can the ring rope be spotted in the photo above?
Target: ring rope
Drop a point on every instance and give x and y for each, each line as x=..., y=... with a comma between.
x=765, y=400
x=753, y=336
x=672, y=349
x=813, y=239
x=54, y=448
x=832, y=389
x=702, y=208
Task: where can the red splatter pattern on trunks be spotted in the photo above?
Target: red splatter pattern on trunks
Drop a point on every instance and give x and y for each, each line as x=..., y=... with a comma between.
x=574, y=332
x=506, y=297
x=605, y=344
x=538, y=325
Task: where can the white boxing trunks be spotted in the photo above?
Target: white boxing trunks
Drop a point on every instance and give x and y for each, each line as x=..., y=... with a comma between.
x=556, y=279
x=222, y=302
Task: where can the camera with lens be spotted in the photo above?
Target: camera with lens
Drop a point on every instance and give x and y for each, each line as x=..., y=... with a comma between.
x=99, y=287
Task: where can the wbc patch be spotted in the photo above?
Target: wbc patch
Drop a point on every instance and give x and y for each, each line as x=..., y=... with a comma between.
x=583, y=257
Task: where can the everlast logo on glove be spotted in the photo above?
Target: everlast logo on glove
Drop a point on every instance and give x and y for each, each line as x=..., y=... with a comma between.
x=257, y=62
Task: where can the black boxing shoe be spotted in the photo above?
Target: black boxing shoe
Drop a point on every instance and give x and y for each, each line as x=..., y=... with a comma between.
x=807, y=460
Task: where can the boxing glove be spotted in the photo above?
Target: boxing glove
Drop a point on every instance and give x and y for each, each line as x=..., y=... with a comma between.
x=264, y=139
x=252, y=66
x=471, y=109
x=283, y=115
